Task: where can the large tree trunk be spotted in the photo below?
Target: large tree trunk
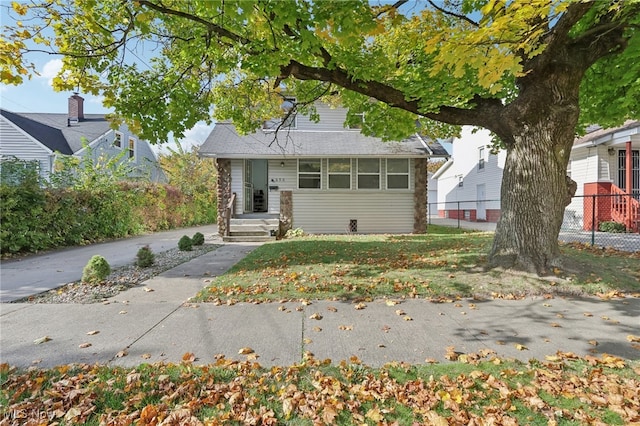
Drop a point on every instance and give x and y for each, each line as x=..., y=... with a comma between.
x=535, y=191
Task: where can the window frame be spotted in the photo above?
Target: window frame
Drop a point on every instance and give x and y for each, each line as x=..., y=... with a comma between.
x=481, y=159
x=131, y=147
x=117, y=139
x=293, y=119
x=359, y=173
x=309, y=174
x=407, y=174
x=338, y=173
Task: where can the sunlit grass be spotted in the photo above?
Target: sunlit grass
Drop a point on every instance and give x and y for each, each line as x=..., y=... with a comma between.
x=444, y=263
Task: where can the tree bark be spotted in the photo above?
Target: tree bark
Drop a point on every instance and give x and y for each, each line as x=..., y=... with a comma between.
x=535, y=191
x=535, y=186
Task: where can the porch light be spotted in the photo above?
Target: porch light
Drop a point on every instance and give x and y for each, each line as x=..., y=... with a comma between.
x=282, y=164
x=611, y=150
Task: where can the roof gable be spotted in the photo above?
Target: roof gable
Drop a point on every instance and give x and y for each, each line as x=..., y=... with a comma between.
x=56, y=133
x=49, y=136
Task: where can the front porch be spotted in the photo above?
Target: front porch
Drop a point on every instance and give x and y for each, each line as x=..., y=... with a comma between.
x=605, y=202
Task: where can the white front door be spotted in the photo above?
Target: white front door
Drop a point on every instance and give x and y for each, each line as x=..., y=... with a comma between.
x=481, y=207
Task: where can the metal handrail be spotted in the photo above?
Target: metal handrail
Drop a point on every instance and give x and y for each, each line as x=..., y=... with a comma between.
x=229, y=212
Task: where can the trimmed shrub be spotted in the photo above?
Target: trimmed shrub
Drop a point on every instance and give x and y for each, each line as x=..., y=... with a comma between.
x=145, y=257
x=185, y=243
x=96, y=270
x=612, y=226
x=198, y=239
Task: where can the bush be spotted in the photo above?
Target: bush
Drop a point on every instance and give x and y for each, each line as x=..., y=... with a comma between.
x=145, y=257
x=612, y=226
x=292, y=233
x=96, y=270
x=198, y=239
x=185, y=243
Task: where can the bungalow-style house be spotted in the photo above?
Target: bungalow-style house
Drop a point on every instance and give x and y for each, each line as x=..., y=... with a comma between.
x=320, y=177
x=469, y=182
x=606, y=163
x=41, y=137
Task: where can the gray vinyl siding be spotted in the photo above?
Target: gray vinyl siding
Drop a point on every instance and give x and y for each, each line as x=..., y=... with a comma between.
x=331, y=212
x=15, y=143
x=330, y=119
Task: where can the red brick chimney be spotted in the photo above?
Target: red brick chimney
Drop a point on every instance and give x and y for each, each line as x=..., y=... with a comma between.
x=76, y=107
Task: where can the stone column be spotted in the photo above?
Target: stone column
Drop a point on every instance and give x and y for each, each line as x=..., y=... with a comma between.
x=224, y=191
x=286, y=212
x=420, y=196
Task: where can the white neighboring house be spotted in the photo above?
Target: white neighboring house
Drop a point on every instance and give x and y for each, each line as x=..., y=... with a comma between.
x=468, y=184
x=41, y=137
x=322, y=177
x=606, y=162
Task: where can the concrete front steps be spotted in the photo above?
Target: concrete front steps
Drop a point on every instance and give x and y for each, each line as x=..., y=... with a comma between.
x=252, y=230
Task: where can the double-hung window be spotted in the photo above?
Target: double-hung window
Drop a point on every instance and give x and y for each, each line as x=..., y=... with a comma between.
x=368, y=173
x=309, y=176
x=117, y=140
x=398, y=173
x=132, y=147
x=481, y=158
x=339, y=173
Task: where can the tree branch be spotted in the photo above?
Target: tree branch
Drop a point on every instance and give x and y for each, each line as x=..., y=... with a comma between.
x=455, y=15
x=222, y=32
x=478, y=115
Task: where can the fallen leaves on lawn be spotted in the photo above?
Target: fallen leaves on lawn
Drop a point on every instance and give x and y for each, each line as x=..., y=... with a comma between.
x=564, y=388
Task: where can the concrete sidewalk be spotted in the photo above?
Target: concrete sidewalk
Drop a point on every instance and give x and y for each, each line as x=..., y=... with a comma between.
x=143, y=326
x=41, y=272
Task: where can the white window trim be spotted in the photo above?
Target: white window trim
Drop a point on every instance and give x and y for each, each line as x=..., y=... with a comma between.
x=407, y=174
x=308, y=173
x=115, y=138
x=131, y=147
x=294, y=118
x=482, y=162
x=358, y=174
x=329, y=173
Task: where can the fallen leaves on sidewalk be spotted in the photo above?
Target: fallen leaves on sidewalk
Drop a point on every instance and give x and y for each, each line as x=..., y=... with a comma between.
x=481, y=390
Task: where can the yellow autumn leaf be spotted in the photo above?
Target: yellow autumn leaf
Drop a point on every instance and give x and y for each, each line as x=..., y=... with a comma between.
x=521, y=347
x=374, y=415
x=633, y=338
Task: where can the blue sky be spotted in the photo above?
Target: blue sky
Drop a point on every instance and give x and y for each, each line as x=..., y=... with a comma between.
x=37, y=95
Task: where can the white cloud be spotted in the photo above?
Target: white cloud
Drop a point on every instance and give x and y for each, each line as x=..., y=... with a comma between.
x=192, y=137
x=50, y=70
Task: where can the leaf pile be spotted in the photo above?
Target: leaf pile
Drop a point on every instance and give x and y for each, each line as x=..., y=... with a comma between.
x=563, y=389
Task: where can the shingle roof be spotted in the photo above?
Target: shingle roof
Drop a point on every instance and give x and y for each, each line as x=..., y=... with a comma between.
x=52, y=131
x=225, y=142
x=600, y=135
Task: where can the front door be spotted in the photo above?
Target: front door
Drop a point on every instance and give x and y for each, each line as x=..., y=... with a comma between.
x=256, y=186
x=481, y=208
x=247, y=194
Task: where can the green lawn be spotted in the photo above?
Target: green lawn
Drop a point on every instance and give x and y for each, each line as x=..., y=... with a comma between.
x=444, y=263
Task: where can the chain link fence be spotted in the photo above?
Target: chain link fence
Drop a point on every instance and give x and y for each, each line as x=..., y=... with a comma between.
x=603, y=220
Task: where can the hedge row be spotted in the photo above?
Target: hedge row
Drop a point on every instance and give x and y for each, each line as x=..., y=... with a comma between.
x=34, y=218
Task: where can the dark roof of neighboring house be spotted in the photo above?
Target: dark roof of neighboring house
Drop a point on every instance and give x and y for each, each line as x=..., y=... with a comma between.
x=225, y=142
x=52, y=131
x=599, y=135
